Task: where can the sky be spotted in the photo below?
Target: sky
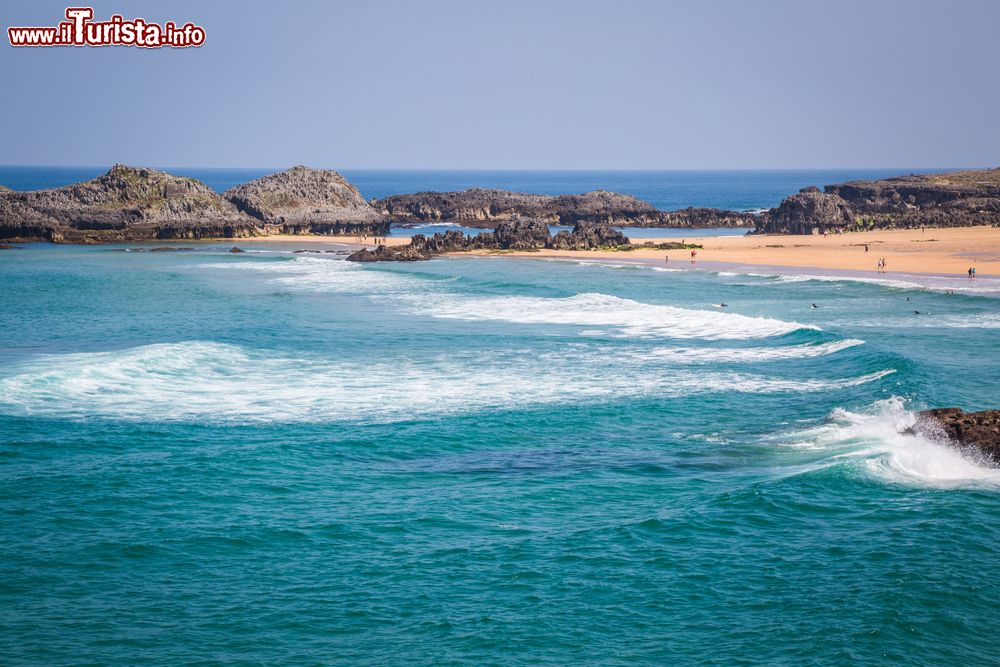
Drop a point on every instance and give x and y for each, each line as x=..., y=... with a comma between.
x=540, y=84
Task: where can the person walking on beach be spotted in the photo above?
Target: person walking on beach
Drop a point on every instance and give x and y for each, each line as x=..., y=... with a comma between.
x=973, y=272
x=866, y=247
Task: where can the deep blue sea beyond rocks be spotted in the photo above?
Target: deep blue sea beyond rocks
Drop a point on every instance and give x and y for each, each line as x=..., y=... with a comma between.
x=272, y=457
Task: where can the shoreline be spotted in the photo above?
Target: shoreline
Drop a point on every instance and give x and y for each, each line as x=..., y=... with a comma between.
x=984, y=284
x=941, y=252
x=934, y=252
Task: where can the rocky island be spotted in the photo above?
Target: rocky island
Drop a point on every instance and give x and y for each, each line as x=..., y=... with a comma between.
x=126, y=203
x=307, y=201
x=479, y=207
x=136, y=203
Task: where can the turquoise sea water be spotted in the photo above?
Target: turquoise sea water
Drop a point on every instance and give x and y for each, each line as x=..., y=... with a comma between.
x=272, y=458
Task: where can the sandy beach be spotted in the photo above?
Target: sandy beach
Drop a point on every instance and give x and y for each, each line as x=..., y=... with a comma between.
x=932, y=251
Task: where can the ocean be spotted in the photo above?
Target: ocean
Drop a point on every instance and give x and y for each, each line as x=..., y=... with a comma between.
x=269, y=457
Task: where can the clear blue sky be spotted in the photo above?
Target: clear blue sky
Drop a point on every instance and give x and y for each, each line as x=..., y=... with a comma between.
x=536, y=84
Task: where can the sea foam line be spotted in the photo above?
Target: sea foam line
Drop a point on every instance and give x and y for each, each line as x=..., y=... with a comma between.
x=628, y=317
x=213, y=382
x=623, y=317
x=752, y=354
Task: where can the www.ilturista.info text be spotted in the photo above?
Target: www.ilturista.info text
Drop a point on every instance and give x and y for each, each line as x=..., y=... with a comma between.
x=79, y=30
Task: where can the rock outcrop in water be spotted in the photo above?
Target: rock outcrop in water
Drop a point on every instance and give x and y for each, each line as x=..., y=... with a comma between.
x=308, y=201
x=978, y=432
x=956, y=199
x=136, y=203
x=485, y=208
x=125, y=204
x=516, y=234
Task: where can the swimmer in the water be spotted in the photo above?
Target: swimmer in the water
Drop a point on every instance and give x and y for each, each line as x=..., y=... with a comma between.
x=815, y=306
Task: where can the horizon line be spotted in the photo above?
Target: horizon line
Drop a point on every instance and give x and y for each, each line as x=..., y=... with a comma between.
x=506, y=169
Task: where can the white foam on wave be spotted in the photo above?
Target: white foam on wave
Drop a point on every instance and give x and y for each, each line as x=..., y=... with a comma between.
x=876, y=441
x=884, y=282
x=212, y=382
x=624, y=316
x=927, y=320
x=933, y=283
x=804, y=278
x=630, y=318
x=323, y=274
x=976, y=321
x=752, y=354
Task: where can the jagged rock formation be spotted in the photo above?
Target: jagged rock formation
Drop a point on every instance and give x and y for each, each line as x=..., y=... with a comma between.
x=308, y=201
x=957, y=199
x=125, y=204
x=132, y=204
x=707, y=217
x=587, y=236
x=516, y=234
x=485, y=208
x=800, y=213
x=978, y=432
x=135, y=204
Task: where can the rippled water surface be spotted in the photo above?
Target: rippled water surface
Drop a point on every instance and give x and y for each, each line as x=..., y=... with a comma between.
x=284, y=458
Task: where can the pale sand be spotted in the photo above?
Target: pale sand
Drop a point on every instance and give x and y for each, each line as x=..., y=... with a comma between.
x=932, y=251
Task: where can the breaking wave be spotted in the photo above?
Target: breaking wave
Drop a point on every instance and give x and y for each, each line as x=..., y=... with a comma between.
x=327, y=275
x=630, y=318
x=752, y=354
x=214, y=382
x=876, y=441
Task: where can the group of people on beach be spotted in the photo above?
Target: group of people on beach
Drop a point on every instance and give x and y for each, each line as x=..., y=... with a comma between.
x=972, y=272
x=881, y=265
x=363, y=239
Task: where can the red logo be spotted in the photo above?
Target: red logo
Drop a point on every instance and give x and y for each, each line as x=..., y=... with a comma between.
x=79, y=29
